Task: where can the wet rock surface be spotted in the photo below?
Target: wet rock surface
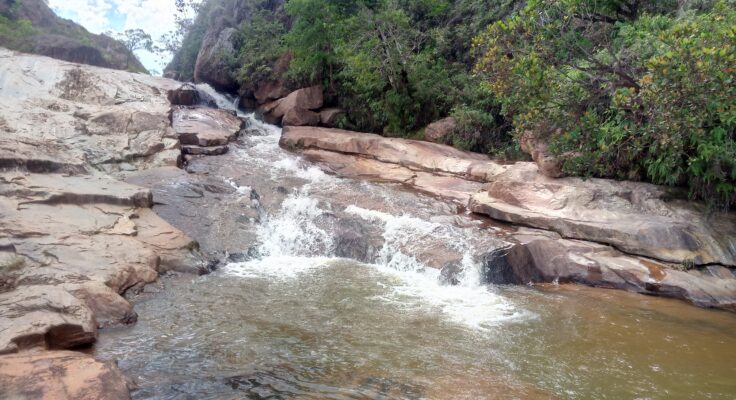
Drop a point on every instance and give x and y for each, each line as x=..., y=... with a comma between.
x=625, y=235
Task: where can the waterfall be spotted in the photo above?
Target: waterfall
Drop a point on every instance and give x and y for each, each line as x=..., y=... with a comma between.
x=299, y=237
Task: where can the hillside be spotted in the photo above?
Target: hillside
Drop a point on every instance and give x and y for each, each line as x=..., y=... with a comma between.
x=635, y=90
x=31, y=26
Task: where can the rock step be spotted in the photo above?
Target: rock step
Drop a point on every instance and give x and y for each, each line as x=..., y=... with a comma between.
x=73, y=189
x=204, y=150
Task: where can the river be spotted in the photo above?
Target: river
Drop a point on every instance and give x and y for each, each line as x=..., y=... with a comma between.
x=292, y=317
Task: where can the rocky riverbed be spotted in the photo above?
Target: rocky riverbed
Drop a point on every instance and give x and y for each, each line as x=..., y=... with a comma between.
x=111, y=179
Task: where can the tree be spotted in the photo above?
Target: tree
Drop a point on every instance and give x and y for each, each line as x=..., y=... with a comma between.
x=133, y=40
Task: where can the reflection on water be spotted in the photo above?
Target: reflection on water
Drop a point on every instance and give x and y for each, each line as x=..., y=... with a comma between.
x=338, y=329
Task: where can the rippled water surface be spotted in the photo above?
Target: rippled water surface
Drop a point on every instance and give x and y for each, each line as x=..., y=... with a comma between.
x=338, y=329
x=296, y=322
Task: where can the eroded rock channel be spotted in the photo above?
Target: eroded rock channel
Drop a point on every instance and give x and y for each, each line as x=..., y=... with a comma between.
x=318, y=263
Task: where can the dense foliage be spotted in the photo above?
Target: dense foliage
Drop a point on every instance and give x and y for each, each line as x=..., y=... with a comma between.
x=393, y=65
x=626, y=89
x=638, y=90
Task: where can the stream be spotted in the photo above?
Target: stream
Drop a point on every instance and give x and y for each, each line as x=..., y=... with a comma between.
x=332, y=291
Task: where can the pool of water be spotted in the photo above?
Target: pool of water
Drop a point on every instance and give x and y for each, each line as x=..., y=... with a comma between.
x=332, y=328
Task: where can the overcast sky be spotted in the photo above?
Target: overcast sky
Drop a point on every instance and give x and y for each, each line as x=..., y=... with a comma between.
x=156, y=17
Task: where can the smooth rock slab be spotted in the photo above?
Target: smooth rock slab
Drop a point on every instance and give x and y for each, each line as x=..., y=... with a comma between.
x=636, y=218
x=412, y=154
x=60, y=375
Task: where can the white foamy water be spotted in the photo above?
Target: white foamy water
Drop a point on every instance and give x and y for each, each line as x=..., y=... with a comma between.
x=295, y=231
x=277, y=267
x=299, y=239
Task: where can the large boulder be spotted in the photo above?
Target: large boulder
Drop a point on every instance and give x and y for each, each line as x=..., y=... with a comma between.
x=60, y=375
x=211, y=66
x=202, y=126
x=440, y=131
x=298, y=104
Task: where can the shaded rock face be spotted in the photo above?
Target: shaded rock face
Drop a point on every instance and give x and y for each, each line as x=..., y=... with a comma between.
x=186, y=95
x=211, y=67
x=630, y=236
x=440, y=131
x=64, y=40
x=274, y=89
x=329, y=116
x=60, y=375
x=543, y=257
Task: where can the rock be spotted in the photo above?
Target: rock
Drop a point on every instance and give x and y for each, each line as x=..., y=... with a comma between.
x=328, y=117
x=210, y=66
x=440, y=131
x=60, y=375
x=73, y=117
x=636, y=218
x=73, y=237
x=548, y=164
x=204, y=151
x=300, y=117
x=540, y=257
x=352, y=240
x=276, y=88
x=630, y=236
x=270, y=91
x=412, y=154
x=186, y=95
x=73, y=189
x=44, y=315
x=205, y=127
x=297, y=104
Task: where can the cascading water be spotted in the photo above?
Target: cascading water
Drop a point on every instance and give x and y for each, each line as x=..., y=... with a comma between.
x=291, y=319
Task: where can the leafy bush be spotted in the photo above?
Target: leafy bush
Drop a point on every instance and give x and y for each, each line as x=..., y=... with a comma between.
x=643, y=92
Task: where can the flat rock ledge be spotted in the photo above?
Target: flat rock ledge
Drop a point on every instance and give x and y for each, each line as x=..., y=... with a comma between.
x=624, y=235
x=74, y=237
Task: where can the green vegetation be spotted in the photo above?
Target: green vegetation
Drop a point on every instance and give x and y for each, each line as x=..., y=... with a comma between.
x=31, y=26
x=626, y=89
x=14, y=32
x=640, y=90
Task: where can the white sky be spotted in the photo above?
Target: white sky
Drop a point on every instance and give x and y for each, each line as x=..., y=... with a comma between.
x=156, y=17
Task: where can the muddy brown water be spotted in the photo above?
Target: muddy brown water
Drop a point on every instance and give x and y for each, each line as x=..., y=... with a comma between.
x=294, y=321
